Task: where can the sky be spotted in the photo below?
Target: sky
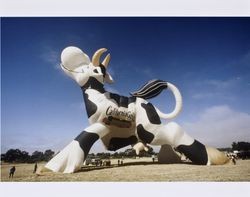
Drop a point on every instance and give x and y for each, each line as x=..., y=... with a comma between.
x=208, y=59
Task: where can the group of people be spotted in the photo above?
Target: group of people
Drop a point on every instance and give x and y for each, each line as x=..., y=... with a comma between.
x=13, y=170
x=120, y=162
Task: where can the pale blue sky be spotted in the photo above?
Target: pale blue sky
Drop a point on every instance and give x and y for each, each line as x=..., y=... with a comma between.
x=208, y=59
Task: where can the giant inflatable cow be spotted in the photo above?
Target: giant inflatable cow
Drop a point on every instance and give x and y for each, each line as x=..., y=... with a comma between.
x=120, y=121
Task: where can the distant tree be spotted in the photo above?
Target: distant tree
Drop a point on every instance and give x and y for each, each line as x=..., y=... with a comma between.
x=37, y=156
x=99, y=155
x=25, y=156
x=115, y=155
x=13, y=155
x=130, y=152
x=225, y=149
x=48, y=154
x=121, y=154
x=244, y=146
x=103, y=155
x=91, y=154
x=235, y=146
x=107, y=155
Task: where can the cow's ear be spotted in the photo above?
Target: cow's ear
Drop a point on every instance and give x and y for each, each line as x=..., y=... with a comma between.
x=108, y=78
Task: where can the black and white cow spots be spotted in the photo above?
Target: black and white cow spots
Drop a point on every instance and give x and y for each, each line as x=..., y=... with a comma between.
x=91, y=107
x=103, y=69
x=93, y=83
x=117, y=143
x=152, y=115
x=86, y=140
x=144, y=135
x=196, y=152
x=122, y=101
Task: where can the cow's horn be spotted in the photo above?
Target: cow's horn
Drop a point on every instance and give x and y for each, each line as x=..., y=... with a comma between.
x=105, y=62
x=97, y=55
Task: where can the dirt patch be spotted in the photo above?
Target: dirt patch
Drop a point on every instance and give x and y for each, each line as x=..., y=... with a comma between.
x=141, y=170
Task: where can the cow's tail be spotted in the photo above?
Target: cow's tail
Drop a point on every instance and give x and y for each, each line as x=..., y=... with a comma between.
x=154, y=88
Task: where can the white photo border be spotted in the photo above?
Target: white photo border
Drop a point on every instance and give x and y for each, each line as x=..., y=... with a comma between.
x=125, y=8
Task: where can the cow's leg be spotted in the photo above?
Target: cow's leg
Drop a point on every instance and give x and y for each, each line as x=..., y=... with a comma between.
x=197, y=152
x=71, y=158
x=150, y=130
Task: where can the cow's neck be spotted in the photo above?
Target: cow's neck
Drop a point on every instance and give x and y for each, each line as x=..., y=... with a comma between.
x=93, y=83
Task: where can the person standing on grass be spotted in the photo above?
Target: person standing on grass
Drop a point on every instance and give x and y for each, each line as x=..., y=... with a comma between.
x=35, y=168
x=153, y=158
x=233, y=158
x=12, y=172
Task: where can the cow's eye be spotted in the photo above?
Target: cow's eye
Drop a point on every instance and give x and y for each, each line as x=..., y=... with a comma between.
x=95, y=71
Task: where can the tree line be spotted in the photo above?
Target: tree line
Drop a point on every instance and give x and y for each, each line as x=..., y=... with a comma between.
x=18, y=156
x=241, y=146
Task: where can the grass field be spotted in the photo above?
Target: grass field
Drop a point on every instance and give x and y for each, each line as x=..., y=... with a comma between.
x=138, y=170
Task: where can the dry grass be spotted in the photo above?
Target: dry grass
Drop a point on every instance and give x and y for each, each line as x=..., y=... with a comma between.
x=140, y=170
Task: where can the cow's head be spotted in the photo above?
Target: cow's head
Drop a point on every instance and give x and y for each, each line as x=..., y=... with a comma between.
x=78, y=66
